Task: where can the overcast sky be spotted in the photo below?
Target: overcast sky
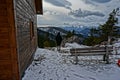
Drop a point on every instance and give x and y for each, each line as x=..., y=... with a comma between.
x=81, y=12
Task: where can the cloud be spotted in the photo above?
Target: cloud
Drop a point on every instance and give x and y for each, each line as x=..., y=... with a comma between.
x=54, y=19
x=101, y=1
x=85, y=13
x=89, y=2
x=49, y=12
x=96, y=1
x=91, y=12
x=60, y=3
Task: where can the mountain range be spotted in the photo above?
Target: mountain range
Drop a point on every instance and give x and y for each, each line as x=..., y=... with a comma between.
x=84, y=31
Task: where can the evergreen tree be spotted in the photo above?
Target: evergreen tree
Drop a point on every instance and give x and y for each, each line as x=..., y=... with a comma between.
x=40, y=40
x=93, y=31
x=73, y=32
x=69, y=34
x=109, y=29
x=47, y=36
x=52, y=43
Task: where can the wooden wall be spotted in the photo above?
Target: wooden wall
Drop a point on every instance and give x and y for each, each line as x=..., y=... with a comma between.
x=25, y=15
x=16, y=45
x=8, y=57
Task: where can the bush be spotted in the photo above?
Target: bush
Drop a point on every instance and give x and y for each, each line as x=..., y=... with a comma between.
x=43, y=42
x=46, y=43
x=40, y=41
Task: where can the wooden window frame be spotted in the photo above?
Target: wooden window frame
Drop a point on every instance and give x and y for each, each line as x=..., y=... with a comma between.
x=31, y=30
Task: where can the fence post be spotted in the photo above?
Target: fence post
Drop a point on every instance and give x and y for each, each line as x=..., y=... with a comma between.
x=107, y=55
x=107, y=50
x=76, y=57
x=116, y=52
x=104, y=56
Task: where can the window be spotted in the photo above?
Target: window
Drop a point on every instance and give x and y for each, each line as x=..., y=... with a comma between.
x=31, y=29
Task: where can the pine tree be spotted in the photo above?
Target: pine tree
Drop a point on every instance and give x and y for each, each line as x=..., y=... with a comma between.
x=93, y=31
x=69, y=34
x=105, y=31
x=109, y=29
x=73, y=32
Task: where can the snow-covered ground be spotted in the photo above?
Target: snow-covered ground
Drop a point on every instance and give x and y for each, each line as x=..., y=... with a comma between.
x=52, y=65
x=74, y=45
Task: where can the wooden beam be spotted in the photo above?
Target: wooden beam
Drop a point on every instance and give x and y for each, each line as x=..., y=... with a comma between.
x=12, y=40
x=38, y=5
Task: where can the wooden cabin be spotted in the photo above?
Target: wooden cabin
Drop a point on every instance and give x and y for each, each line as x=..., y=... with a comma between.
x=18, y=36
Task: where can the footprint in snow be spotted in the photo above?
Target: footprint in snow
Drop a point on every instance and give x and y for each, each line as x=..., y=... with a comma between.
x=91, y=78
x=79, y=76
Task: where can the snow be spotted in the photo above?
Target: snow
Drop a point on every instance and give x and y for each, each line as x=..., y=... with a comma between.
x=53, y=65
x=74, y=45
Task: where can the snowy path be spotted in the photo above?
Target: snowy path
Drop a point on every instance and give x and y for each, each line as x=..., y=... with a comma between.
x=51, y=65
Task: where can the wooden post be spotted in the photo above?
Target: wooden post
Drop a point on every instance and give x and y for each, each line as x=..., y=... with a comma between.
x=76, y=57
x=107, y=51
x=107, y=55
x=104, y=56
x=116, y=52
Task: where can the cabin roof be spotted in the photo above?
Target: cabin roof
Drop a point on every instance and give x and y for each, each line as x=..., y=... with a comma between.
x=38, y=5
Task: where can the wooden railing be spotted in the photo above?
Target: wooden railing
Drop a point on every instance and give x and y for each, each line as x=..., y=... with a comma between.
x=92, y=51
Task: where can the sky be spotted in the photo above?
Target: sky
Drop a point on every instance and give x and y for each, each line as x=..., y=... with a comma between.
x=76, y=12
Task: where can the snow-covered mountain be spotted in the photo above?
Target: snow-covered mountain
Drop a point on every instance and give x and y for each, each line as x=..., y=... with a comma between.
x=53, y=30
x=83, y=30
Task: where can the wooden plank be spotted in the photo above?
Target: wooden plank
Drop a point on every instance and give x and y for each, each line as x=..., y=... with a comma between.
x=5, y=57
x=5, y=62
x=4, y=25
x=4, y=35
x=5, y=54
x=12, y=39
x=4, y=41
x=90, y=51
x=5, y=70
x=92, y=48
x=87, y=51
x=2, y=1
x=6, y=76
x=25, y=63
x=4, y=45
x=2, y=6
x=6, y=73
x=5, y=67
x=4, y=30
x=3, y=13
x=3, y=19
x=89, y=54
